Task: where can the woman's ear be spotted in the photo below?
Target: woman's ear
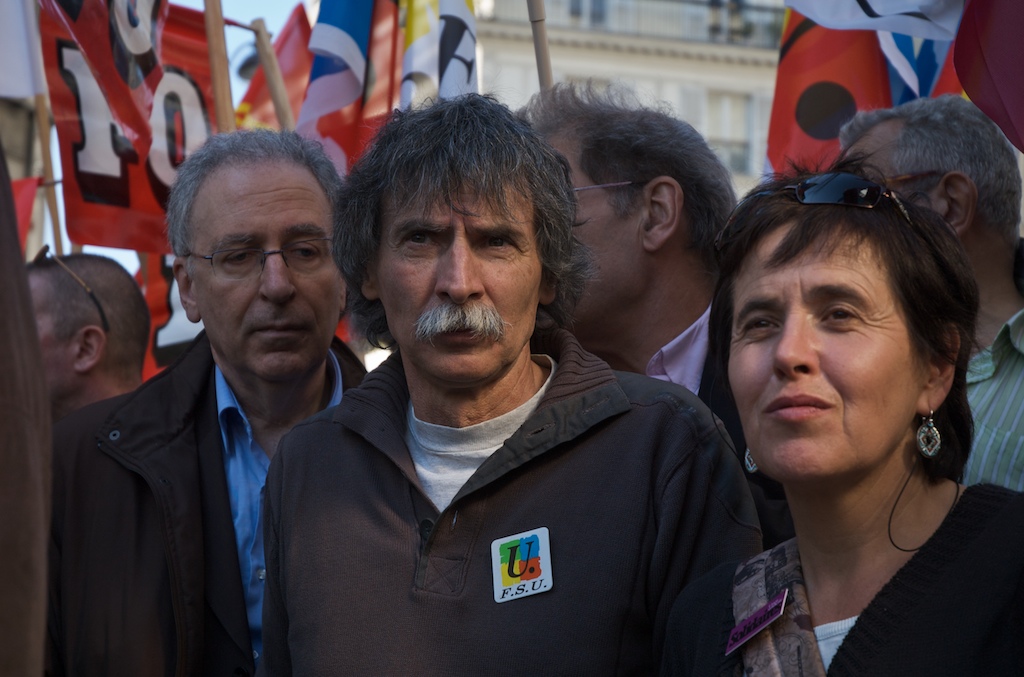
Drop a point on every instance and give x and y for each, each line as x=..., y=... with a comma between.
x=939, y=375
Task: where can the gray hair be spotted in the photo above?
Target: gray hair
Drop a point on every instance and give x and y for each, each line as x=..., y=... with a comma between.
x=250, y=147
x=620, y=139
x=426, y=158
x=947, y=134
x=117, y=293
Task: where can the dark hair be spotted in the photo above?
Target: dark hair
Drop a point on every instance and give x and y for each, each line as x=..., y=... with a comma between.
x=619, y=139
x=428, y=157
x=118, y=294
x=929, y=274
x=253, y=147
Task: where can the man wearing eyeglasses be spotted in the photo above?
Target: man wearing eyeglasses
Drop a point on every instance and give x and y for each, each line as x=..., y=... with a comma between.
x=92, y=349
x=946, y=154
x=156, y=563
x=652, y=197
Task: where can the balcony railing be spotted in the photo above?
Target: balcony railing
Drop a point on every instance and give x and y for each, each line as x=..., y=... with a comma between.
x=735, y=22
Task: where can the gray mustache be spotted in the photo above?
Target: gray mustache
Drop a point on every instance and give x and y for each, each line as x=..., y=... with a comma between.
x=480, y=319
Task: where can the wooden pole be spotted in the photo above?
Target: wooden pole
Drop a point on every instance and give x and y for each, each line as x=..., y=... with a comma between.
x=49, y=188
x=220, y=76
x=272, y=72
x=540, y=43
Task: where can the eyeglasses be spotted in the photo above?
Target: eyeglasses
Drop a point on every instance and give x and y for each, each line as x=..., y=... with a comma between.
x=617, y=184
x=305, y=257
x=834, y=188
x=44, y=254
x=911, y=176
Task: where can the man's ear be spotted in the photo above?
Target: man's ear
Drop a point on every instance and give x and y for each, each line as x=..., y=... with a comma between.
x=548, y=290
x=186, y=292
x=939, y=376
x=344, y=298
x=956, y=199
x=88, y=344
x=663, y=199
x=369, y=287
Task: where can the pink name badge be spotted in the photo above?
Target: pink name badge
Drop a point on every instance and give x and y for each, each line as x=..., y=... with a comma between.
x=757, y=621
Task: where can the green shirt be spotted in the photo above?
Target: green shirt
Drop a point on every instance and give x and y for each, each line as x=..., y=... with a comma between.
x=995, y=389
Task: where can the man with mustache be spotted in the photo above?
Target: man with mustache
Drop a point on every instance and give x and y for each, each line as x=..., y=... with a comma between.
x=156, y=558
x=493, y=498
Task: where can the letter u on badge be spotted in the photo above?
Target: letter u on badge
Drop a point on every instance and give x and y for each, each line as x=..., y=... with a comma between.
x=518, y=559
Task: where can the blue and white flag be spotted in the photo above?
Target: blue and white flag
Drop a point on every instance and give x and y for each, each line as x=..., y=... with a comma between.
x=340, y=42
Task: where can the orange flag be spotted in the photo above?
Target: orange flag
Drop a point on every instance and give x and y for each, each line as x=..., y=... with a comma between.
x=292, y=49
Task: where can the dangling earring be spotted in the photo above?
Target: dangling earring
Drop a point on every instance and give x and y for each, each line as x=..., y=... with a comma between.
x=928, y=439
x=748, y=463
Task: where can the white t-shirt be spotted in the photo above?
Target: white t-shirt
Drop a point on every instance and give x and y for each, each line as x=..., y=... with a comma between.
x=830, y=636
x=445, y=458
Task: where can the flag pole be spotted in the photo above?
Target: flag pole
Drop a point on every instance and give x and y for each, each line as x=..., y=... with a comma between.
x=49, y=187
x=220, y=76
x=272, y=72
x=540, y=43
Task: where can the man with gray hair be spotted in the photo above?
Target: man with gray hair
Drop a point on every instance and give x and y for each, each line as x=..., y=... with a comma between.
x=93, y=327
x=156, y=558
x=946, y=154
x=652, y=197
x=493, y=498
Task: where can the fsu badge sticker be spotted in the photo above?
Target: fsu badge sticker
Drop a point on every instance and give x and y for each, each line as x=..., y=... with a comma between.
x=521, y=565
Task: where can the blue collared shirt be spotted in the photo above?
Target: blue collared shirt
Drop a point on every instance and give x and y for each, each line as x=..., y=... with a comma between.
x=246, y=465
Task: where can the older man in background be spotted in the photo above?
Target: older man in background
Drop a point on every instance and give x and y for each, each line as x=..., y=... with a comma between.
x=652, y=198
x=93, y=326
x=156, y=556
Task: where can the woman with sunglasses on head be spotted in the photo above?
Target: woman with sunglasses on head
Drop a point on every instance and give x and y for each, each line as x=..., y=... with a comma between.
x=844, y=319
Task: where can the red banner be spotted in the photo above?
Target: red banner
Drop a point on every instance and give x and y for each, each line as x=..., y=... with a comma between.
x=120, y=43
x=292, y=49
x=24, y=199
x=113, y=195
x=824, y=77
x=987, y=60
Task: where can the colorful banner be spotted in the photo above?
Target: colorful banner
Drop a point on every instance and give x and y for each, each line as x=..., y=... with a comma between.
x=440, y=50
x=291, y=47
x=119, y=42
x=986, y=61
x=367, y=63
x=933, y=19
x=343, y=107
x=114, y=196
x=825, y=76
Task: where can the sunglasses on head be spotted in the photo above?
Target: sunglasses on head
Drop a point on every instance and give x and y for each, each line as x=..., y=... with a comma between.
x=833, y=188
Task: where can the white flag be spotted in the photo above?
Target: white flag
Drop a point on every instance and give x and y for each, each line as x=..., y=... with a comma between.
x=932, y=19
x=21, y=75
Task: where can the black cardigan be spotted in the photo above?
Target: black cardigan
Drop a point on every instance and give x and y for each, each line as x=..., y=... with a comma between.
x=956, y=608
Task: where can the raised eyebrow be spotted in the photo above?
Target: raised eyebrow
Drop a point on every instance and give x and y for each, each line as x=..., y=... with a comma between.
x=403, y=228
x=836, y=292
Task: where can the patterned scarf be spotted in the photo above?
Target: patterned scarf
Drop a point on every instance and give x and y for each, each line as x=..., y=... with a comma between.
x=787, y=647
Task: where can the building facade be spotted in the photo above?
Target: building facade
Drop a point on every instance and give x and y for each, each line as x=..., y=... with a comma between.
x=712, y=62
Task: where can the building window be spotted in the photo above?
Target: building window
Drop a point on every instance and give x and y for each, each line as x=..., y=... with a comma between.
x=729, y=129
